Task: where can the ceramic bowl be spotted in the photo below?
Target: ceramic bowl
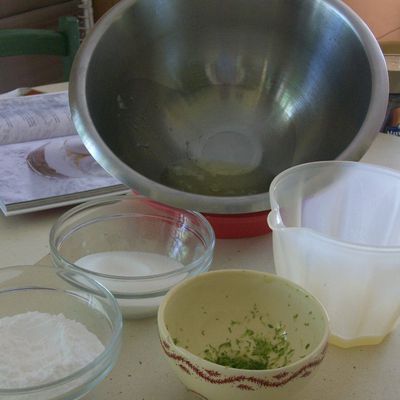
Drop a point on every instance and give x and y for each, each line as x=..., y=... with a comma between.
x=43, y=289
x=136, y=248
x=235, y=315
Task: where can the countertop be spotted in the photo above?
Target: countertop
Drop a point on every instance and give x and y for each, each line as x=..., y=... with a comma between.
x=142, y=373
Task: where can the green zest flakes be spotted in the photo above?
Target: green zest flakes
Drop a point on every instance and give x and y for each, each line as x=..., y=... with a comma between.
x=252, y=350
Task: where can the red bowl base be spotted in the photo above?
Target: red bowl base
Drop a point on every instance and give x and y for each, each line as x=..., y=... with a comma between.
x=237, y=226
x=233, y=226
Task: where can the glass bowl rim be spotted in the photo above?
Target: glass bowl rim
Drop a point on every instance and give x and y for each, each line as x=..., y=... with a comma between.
x=62, y=262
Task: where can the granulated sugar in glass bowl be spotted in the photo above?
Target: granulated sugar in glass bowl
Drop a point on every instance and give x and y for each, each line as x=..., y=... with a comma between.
x=136, y=248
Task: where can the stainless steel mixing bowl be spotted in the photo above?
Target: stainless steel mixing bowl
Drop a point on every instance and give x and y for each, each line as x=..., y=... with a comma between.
x=200, y=103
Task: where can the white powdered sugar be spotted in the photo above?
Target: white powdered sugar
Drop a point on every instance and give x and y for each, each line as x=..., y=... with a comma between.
x=37, y=348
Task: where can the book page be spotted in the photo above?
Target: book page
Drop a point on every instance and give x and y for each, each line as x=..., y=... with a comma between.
x=46, y=171
x=41, y=116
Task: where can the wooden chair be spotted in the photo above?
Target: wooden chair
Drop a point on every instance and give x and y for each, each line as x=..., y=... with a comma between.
x=64, y=42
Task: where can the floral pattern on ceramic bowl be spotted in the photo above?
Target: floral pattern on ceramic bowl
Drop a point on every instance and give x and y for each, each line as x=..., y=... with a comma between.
x=243, y=335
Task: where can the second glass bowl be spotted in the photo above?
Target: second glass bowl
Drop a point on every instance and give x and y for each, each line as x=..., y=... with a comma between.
x=136, y=248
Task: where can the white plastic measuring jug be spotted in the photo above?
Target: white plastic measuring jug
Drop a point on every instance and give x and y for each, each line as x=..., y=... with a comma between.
x=336, y=232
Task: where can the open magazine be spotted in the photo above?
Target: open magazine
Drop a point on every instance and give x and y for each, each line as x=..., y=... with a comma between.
x=43, y=163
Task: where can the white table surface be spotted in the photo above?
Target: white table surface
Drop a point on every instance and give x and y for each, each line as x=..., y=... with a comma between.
x=363, y=373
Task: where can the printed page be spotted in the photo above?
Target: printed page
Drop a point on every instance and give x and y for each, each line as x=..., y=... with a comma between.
x=36, y=117
x=48, y=171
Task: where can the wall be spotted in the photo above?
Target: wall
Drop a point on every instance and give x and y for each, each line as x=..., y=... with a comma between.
x=101, y=6
x=32, y=70
x=382, y=16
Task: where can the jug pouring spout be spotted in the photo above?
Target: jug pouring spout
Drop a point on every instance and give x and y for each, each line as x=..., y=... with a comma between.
x=274, y=220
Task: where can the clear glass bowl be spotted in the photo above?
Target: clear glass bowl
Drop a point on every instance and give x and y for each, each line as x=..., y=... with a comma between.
x=47, y=290
x=135, y=247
